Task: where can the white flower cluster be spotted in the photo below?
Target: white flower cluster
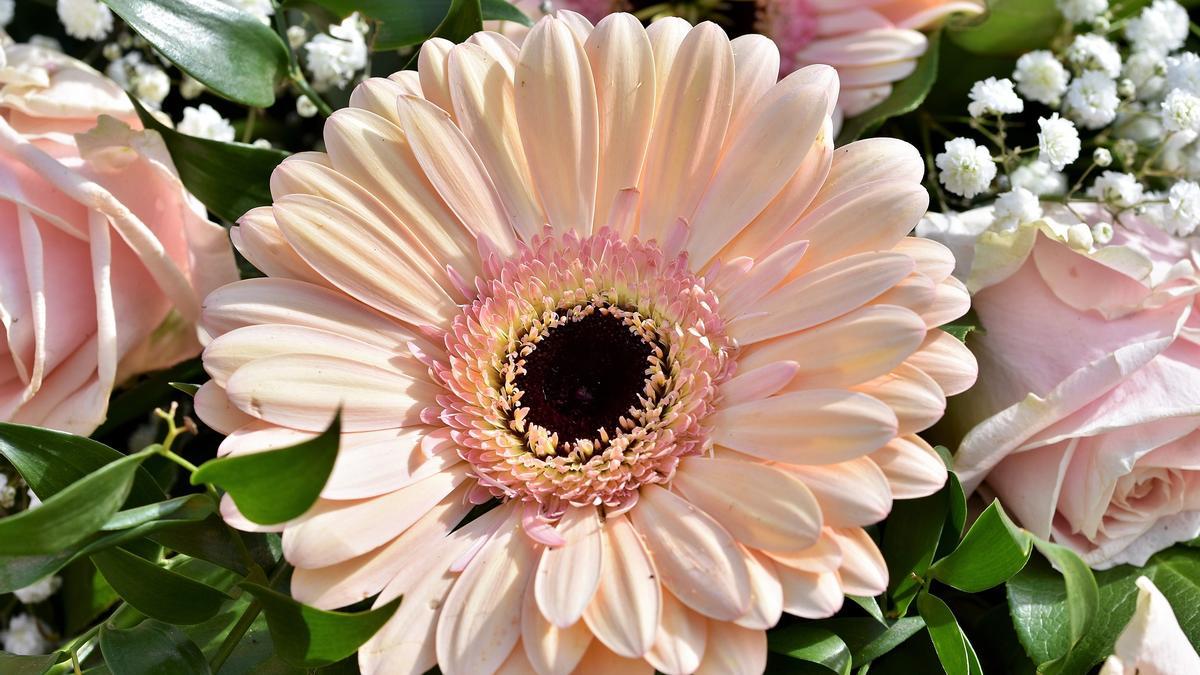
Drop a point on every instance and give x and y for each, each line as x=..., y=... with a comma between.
x=85, y=19
x=204, y=121
x=147, y=80
x=333, y=58
x=1121, y=88
x=25, y=636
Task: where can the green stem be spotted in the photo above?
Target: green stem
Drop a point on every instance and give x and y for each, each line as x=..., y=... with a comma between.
x=248, y=129
x=295, y=73
x=244, y=622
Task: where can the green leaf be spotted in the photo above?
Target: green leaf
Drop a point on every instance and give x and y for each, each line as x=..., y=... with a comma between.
x=209, y=539
x=50, y=461
x=72, y=515
x=953, y=649
x=867, y=639
x=20, y=571
x=906, y=96
x=196, y=506
x=308, y=637
x=277, y=485
x=993, y=550
x=1040, y=602
x=964, y=325
x=807, y=642
x=1083, y=595
x=151, y=648
x=956, y=518
x=156, y=591
x=407, y=23
x=189, y=389
x=1010, y=27
x=227, y=49
x=870, y=605
x=85, y=595
x=910, y=537
x=229, y=178
x=13, y=664
x=463, y=19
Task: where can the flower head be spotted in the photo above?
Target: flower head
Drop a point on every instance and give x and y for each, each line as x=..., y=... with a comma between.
x=1121, y=190
x=1041, y=77
x=1182, y=212
x=584, y=286
x=1092, y=99
x=205, y=122
x=1081, y=11
x=994, y=97
x=24, y=636
x=85, y=19
x=1160, y=28
x=1016, y=207
x=966, y=169
x=334, y=57
x=1058, y=141
x=1093, y=52
x=1181, y=111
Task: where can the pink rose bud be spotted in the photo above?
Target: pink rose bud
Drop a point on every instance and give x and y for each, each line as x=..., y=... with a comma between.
x=104, y=256
x=1087, y=411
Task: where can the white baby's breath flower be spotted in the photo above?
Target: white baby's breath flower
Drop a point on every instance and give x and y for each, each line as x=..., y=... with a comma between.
x=1092, y=100
x=1079, y=236
x=1039, y=178
x=1118, y=189
x=966, y=169
x=1145, y=70
x=305, y=107
x=1015, y=208
x=262, y=143
x=190, y=88
x=296, y=36
x=151, y=84
x=996, y=97
x=1094, y=52
x=1102, y=232
x=23, y=636
x=85, y=19
x=204, y=121
x=1183, y=72
x=334, y=58
x=1102, y=157
x=1181, y=216
x=1058, y=141
x=8, y=492
x=7, y=8
x=1040, y=77
x=1081, y=11
x=1181, y=111
x=39, y=590
x=259, y=9
x=1162, y=27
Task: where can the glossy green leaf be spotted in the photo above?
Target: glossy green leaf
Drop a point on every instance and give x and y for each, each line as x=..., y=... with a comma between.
x=19, y=571
x=964, y=325
x=1040, y=603
x=866, y=638
x=85, y=595
x=14, y=664
x=189, y=389
x=71, y=515
x=1009, y=27
x=156, y=591
x=50, y=461
x=956, y=516
x=209, y=539
x=308, y=637
x=906, y=95
x=229, y=178
x=151, y=648
x=463, y=19
x=807, y=642
x=194, y=505
x=910, y=537
x=953, y=649
x=870, y=605
x=991, y=552
x=277, y=485
x=1083, y=595
x=407, y=23
x=227, y=49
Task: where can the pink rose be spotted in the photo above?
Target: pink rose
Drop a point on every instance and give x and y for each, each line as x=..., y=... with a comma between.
x=103, y=255
x=1152, y=643
x=1087, y=410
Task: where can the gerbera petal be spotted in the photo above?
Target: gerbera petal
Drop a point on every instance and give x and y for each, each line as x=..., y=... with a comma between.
x=759, y=383
x=479, y=624
x=303, y=391
x=864, y=571
x=690, y=125
x=948, y=361
x=849, y=350
x=623, y=71
x=551, y=650
x=733, y=650
x=485, y=106
x=766, y=594
x=666, y=35
x=811, y=595
x=933, y=259
x=680, y=641
x=378, y=95
x=816, y=426
x=257, y=237
x=364, y=258
x=216, y=410
x=851, y=493
x=762, y=507
x=822, y=294
x=746, y=289
x=451, y=164
x=951, y=301
x=915, y=397
x=600, y=660
x=624, y=612
x=913, y=468
x=755, y=166
x=433, y=72
x=756, y=69
x=333, y=531
x=559, y=122
x=569, y=575
x=696, y=558
x=823, y=556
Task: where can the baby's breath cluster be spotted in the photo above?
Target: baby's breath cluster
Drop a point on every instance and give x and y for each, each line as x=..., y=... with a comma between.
x=1116, y=100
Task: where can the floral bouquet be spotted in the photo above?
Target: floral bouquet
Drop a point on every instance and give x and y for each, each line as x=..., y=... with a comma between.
x=578, y=336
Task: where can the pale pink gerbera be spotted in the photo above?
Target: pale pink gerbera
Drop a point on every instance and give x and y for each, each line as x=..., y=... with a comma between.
x=872, y=43
x=618, y=287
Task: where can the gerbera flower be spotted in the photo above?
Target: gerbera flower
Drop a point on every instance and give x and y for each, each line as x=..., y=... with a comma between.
x=617, y=287
x=872, y=43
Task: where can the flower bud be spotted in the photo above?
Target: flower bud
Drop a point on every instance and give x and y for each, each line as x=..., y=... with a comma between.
x=1102, y=157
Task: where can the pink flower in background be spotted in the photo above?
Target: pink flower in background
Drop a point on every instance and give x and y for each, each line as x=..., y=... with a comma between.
x=871, y=43
x=1087, y=410
x=1152, y=643
x=103, y=255
x=584, y=283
